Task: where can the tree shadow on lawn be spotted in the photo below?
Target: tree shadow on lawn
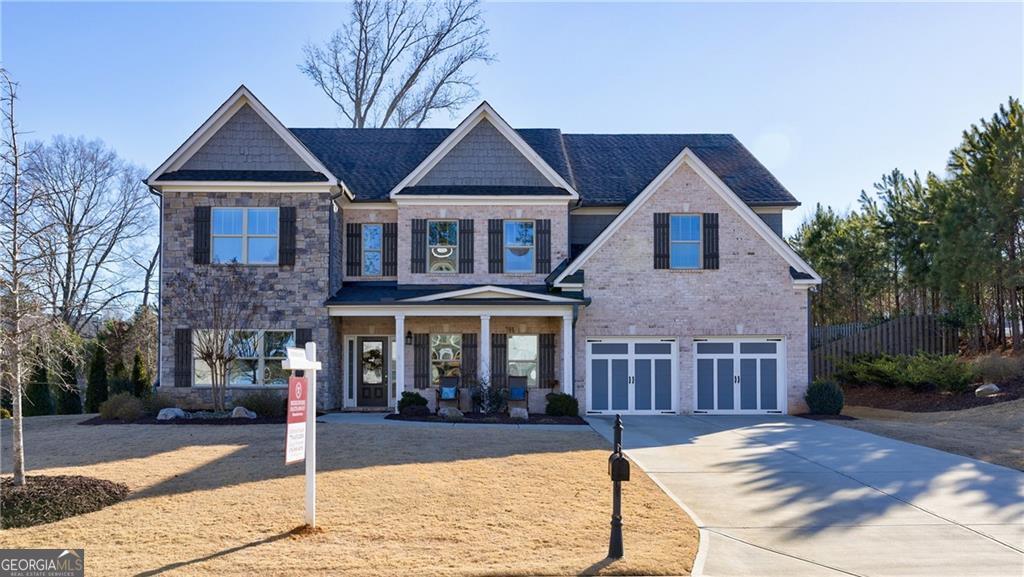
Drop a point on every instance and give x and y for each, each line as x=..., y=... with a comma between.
x=180, y=564
x=257, y=451
x=810, y=477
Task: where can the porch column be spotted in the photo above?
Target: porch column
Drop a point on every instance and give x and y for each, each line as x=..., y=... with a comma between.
x=568, y=386
x=484, y=352
x=399, y=356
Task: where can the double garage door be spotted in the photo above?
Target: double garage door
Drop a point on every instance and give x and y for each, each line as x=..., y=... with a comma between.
x=640, y=375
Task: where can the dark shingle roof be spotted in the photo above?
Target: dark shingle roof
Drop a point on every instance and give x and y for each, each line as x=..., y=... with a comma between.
x=484, y=191
x=246, y=175
x=606, y=169
x=373, y=292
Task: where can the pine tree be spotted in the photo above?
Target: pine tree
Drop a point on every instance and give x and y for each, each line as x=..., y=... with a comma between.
x=37, y=394
x=119, y=379
x=140, y=377
x=69, y=399
x=96, y=389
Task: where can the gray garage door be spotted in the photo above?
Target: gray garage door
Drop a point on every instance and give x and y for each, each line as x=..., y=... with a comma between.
x=636, y=376
x=739, y=375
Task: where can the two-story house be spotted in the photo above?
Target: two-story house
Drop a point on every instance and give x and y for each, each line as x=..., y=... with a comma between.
x=642, y=273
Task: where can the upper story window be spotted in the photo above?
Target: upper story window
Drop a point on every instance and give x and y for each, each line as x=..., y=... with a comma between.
x=684, y=231
x=373, y=235
x=443, y=246
x=520, y=249
x=244, y=235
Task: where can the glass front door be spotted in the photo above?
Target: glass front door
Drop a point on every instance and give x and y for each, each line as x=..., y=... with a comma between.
x=372, y=373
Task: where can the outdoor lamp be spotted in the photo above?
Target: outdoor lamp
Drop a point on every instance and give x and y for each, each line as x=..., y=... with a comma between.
x=408, y=338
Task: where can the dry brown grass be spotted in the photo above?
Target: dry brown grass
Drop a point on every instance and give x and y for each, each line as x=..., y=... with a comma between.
x=393, y=500
x=991, y=433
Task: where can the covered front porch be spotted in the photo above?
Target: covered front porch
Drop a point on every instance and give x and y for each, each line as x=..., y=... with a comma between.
x=418, y=346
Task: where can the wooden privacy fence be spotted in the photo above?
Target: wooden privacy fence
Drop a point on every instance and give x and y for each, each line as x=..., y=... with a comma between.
x=899, y=336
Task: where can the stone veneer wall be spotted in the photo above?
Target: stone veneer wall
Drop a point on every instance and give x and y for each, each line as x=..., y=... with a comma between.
x=291, y=296
x=750, y=294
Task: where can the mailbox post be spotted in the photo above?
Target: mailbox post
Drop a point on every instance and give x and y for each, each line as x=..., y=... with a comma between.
x=618, y=470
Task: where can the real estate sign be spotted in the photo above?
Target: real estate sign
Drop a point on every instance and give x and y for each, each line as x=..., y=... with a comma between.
x=295, y=435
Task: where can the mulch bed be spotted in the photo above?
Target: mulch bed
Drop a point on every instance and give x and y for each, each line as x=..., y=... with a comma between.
x=902, y=399
x=499, y=419
x=45, y=499
x=216, y=421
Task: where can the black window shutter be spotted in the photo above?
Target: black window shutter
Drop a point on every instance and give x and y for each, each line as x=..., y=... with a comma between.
x=419, y=246
x=390, y=256
x=201, y=235
x=287, y=229
x=303, y=336
x=495, y=246
x=661, y=242
x=546, y=360
x=466, y=246
x=543, y=246
x=182, y=357
x=470, y=360
x=711, y=240
x=353, y=249
x=499, y=360
x=421, y=360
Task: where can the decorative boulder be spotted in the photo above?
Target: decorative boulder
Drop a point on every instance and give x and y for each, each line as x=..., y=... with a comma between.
x=242, y=413
x=171, y=414
x=519, y=414
x=450, y=414
x=986, y=390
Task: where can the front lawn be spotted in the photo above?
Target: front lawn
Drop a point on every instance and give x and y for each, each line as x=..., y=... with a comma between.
x=393, y=500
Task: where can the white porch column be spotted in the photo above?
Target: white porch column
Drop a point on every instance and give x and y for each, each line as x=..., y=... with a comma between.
x=568, y=386
x=484, y=350
x=399, y=356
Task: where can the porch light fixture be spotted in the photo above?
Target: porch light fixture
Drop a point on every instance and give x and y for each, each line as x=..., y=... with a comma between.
x=408, y=338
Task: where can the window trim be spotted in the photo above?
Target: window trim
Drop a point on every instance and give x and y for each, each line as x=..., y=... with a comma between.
x=380, y=251
x=261, y=361
x=455, y=252
x=699, y=240
x=245, y=236
x=536, y=358
x=430, y=355
x=505, y=246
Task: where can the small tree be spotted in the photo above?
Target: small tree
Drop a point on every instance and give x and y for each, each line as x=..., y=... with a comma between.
x=96, y=391
x=119, y=381
x=69, y=400
x=38, y=399
x=140, y=378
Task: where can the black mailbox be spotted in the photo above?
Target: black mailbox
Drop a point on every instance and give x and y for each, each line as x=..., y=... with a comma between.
x=618, y=467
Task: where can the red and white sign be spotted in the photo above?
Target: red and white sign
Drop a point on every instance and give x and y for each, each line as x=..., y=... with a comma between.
x=295, y=435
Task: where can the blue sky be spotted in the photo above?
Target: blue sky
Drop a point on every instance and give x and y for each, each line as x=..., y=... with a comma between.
x=828, y=96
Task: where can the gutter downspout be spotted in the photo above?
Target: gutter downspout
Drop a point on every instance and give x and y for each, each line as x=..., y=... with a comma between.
x=159, y=288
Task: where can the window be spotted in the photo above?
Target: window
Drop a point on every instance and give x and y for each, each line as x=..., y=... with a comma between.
x=519, y=246
x=372, y=246
x=685, y=241
x=522, y=357
x=443, y=245
x=445, y=357
x=259, y=354
x=244, y=235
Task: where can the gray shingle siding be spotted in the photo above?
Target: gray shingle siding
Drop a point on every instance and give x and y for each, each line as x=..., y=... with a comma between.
x=584, y=228
x=484, y=157
x=245, y=142
x=774, y=220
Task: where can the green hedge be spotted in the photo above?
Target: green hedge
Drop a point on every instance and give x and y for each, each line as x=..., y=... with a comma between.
x=920, y=372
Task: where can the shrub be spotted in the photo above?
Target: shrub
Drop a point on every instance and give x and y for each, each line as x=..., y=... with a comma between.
x=38, y=398
x=562, y=405
x=120, y=382
x=139, y=379
x=415, y=411
x=69, y=398
x=264, y=404
x=920, y=372
x=96, y=387
x=4, y=413
x=824, y=398
x=123, y=407
x=411, y=399
x=489, y=400
x=995, y=368
x=153, y=403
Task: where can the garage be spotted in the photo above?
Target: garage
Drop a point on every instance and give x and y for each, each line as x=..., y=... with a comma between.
x=739, y=375
x=632, y=376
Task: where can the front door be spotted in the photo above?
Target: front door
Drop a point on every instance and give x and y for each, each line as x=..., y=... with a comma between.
x=372, y=372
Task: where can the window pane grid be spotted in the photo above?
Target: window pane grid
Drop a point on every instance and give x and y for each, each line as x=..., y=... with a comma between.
x=520, y=240
x=443, y=246
x=523, y=352
x=244, y=235
x=445, y=356
x=685, y=241
x=258, y=356
x=372, y=249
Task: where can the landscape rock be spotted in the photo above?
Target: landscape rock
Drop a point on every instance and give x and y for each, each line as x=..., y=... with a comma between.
x=242, y=413
x=519, y=413
x=171, y=414
x=450, y=414
x=986, y=390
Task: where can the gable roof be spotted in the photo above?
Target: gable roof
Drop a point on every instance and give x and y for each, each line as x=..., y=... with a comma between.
x=805, y=275
x=238, y=100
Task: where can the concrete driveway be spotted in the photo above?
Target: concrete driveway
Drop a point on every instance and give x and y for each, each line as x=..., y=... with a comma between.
x=783, y=496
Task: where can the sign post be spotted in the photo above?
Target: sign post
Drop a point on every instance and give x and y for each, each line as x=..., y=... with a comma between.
x=300, y=435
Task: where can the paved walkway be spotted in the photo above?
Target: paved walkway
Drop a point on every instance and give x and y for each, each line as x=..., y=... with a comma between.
x=357, y=418
x=788, y=497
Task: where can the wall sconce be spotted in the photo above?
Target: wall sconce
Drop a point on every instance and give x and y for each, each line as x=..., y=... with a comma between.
x=408, y=338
